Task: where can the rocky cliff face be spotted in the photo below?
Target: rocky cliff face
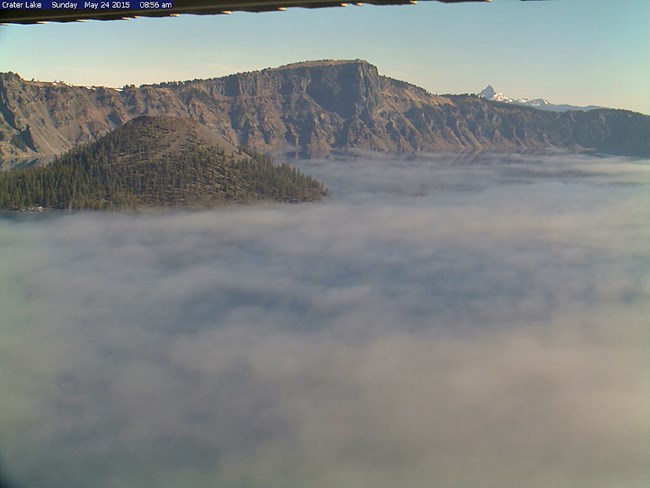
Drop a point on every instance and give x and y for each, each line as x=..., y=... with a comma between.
x=307, y=109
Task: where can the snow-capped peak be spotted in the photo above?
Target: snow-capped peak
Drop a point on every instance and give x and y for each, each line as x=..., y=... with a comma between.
x=489, y=93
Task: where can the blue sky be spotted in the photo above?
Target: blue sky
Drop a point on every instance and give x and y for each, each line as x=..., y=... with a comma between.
x=568, y=51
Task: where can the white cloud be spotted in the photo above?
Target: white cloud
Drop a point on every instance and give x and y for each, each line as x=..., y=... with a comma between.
x=444, y=326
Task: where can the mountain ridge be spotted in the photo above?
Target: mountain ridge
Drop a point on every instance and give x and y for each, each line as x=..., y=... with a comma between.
x=307, y=109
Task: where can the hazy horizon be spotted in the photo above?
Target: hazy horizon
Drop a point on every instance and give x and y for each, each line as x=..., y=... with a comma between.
x=529, y=97
x=437, y=321
x=476, y=92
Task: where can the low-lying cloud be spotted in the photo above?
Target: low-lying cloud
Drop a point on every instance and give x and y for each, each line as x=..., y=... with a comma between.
x=434, y=324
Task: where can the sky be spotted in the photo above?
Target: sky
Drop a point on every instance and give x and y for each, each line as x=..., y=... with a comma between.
x=580, y=52
x=435, y=322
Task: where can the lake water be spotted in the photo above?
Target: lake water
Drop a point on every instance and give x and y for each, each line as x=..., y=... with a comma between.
x=439, y=321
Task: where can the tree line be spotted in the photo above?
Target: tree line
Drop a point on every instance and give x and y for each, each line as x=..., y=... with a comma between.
x=128, y=169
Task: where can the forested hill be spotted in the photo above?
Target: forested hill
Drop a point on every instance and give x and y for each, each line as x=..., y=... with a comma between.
x=307, y=109
x=153, y=162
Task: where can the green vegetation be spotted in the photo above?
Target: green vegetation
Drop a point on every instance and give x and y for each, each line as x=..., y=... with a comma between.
x=154, y=162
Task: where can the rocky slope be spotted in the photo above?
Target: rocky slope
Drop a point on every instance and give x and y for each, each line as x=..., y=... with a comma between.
x=307, y=109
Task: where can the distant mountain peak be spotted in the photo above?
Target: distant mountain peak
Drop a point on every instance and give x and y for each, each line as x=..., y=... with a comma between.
x=489, y=93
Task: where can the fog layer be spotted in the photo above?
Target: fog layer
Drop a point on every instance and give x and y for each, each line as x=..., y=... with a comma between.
x=434, y=323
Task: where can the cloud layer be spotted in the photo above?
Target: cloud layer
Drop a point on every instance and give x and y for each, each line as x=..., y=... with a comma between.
x=434, y=324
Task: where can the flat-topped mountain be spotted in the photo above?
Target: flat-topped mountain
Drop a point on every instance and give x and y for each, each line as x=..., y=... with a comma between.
x=307, y=109
x=155, y=162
